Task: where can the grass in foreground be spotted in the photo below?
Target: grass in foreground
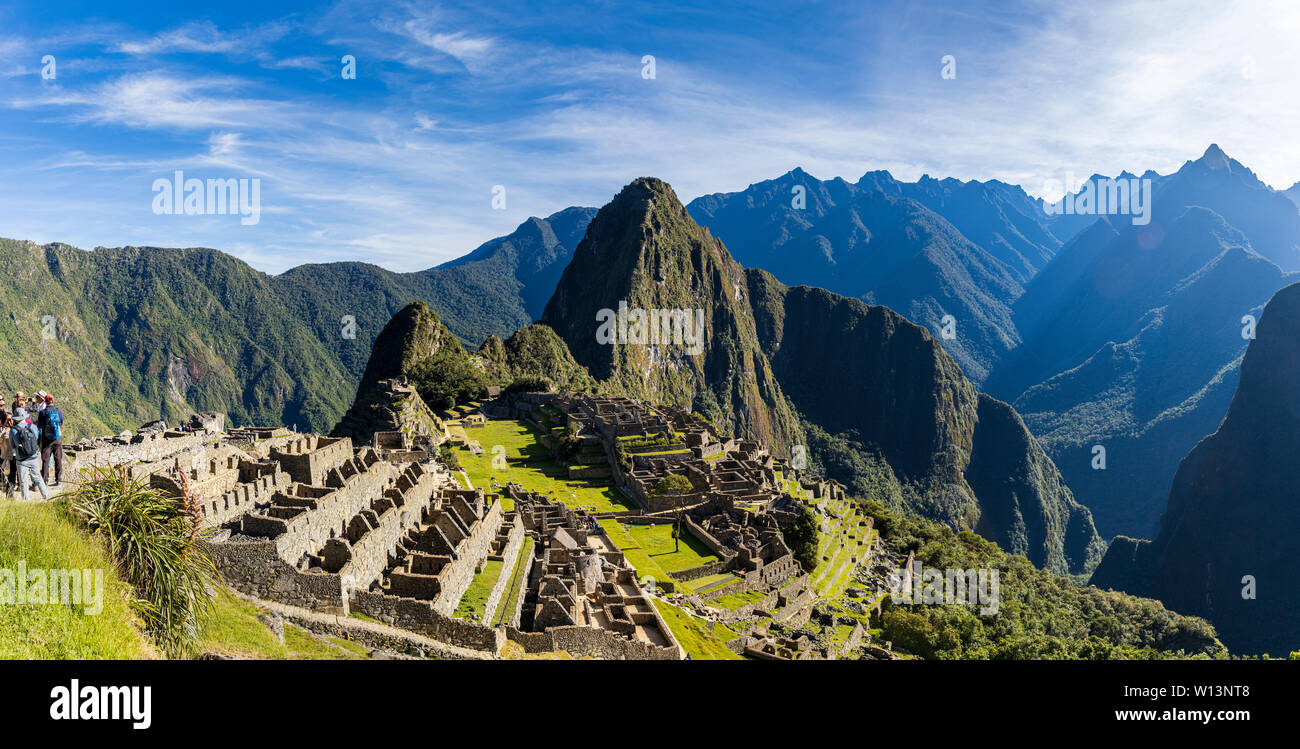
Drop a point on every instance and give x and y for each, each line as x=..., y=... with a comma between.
x=44, y=537
x=234, y=630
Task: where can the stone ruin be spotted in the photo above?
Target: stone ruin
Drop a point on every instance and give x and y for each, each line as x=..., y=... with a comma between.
x=738, y=505
x=392, y=405
x=320, y=526
x=583, y=595
x=371, y=524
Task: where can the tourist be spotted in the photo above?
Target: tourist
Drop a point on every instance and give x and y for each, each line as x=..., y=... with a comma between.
x=26, y=441
x=50, y=420
x=12, y=421
x=7, y=466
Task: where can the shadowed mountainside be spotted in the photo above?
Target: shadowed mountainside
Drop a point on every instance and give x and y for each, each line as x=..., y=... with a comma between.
x=1225, y=549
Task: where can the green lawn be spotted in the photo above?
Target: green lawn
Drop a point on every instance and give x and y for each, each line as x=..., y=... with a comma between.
x=517, y=437
x=649, y=549
x=657, y=541
x=540, y=474
x=473, y=603
x=522, y=563
x=643, y=563
x=41, y=535
x=694, y=636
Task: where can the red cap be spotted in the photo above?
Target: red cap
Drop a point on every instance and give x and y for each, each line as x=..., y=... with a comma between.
x=49, y=398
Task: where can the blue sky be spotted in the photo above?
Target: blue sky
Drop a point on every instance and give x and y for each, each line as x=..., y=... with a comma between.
x=397, y=167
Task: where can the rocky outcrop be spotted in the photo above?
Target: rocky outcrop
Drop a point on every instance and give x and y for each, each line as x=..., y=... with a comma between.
x=415, y=334
x=533, y=351
x=386, y=400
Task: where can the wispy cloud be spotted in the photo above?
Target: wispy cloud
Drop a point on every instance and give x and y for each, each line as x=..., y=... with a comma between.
x=207, y=37
x=156, y=100
x=398, y=165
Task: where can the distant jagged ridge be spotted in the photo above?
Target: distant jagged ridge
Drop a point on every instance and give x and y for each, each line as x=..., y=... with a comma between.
x=1132, y=335
x=926, y=249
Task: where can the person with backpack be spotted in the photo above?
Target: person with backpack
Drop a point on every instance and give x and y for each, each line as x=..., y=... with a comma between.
x=50, y=421
x=26, y=440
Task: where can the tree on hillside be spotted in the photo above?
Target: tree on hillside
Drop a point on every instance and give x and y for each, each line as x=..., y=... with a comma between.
x=802, y=537
x=448, y=379
x=674, y=484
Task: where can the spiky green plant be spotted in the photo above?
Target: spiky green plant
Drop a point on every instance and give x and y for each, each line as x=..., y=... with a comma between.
x=154, y=540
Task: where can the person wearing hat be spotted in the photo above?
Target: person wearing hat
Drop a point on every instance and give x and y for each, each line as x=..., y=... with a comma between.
x=50, y=421
x=26, y=440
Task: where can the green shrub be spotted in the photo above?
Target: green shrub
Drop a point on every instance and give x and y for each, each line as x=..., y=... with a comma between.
x=447, y=454
x=530, y=384
x=153, y=539
x=673, y=483
x=448, y=379
x=802, y=538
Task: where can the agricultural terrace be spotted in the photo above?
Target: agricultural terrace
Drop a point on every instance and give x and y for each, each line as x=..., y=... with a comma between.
x=845, y=542
x=700, y=639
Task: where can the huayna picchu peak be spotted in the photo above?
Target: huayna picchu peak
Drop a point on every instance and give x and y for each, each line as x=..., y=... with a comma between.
x=875, y=399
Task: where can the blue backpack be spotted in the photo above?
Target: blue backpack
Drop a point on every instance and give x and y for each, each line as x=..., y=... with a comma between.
x=52, y=421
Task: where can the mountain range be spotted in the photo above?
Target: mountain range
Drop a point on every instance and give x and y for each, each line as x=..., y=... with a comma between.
x=1101, y=333
x=897, y=244
x=1133, y=335
x=124, y=335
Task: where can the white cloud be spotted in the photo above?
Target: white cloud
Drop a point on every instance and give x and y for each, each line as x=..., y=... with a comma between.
x=159, y=100
x=206, y=37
